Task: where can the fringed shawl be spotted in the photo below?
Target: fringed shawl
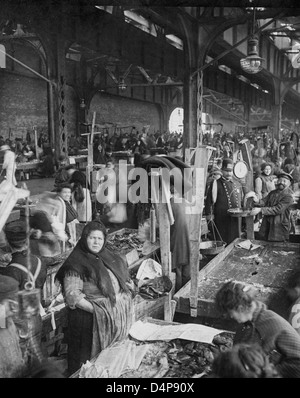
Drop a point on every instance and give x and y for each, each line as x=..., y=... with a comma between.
x=71, y=213
x=87, y=265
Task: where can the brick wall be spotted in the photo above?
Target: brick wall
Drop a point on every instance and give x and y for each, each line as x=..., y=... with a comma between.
x=125, y=111
x=23, y=104
x=71, y=111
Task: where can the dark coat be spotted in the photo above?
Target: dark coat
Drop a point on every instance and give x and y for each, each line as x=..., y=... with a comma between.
x=276, y=224
x=276, y=336
x=229, y=196
x=21, y=276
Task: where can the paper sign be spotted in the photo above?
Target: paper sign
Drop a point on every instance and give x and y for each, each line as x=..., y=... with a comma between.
x=71, y=160
x=132, y=257
x=147, y=331
x=248, y=245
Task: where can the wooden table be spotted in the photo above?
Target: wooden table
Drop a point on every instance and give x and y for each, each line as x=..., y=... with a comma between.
x=26, y=166
x=278, y=263
x=123, y=155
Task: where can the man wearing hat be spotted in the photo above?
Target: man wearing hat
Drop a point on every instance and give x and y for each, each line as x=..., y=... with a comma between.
x=223, y=194
x=275, y=208
x=9, y=164
x=291, y=168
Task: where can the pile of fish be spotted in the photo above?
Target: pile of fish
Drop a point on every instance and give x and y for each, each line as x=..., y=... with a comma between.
x=189, y=359
x=180, y=358
x=125, y=242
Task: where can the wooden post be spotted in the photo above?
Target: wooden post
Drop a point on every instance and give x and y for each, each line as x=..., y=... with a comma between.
x=247, y=157
x=165, y=219
x=90, y=140
x=164, y=240
x=201, y=156
x=249, y=227
x=36, y=143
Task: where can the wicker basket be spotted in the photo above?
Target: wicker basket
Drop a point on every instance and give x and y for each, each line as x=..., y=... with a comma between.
x=211, y=247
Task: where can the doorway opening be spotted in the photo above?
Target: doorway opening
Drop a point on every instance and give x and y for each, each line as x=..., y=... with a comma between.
x=176, y=121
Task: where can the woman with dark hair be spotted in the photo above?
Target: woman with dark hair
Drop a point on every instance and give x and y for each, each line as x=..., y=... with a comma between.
x=243, y=361
x=265, y=181
x=96, y=287
x=259, y=325
x=66, y=213
x=293, y=295
x=81, y=195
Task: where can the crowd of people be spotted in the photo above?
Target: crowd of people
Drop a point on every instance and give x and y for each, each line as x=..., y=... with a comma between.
x=274, y=197
x=95, y=283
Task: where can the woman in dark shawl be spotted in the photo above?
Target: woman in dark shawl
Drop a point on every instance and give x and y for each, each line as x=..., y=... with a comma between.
x=96, y=287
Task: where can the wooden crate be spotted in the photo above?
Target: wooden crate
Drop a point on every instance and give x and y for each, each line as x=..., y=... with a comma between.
x=151, y=308
x=50, y=289
x=52, y=338
x=134, y=266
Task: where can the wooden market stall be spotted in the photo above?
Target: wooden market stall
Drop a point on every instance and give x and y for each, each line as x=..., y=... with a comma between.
x=265, y=265
x=159, y=349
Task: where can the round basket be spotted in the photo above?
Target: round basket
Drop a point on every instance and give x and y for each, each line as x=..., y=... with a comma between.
x=212, y=246
x=237, y=212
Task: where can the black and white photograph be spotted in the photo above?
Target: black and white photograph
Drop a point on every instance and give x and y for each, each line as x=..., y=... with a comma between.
x=149, y=192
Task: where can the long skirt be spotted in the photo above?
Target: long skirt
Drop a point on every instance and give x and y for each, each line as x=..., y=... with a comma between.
x=88, y=333
x=79, y=338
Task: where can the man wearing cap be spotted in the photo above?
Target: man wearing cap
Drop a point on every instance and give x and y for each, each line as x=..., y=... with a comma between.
x=15, y=233
x=275, y=208
x=9, y=164
x=223, y=194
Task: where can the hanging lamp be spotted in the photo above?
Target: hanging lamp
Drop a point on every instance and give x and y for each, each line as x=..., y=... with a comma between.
x=253, y=63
